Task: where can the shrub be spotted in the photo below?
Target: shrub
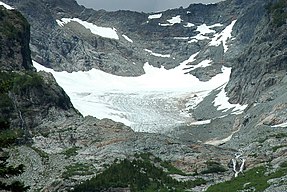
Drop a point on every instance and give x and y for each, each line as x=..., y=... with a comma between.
x=256, y=178
x=213, y=167
x=138, y=175
x=278, y=12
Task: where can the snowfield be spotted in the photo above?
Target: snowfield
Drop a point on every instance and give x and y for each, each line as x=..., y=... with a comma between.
x=6, y=6
x=155, y=16
x=101, y=31
x=154, y=102
x=171, y=21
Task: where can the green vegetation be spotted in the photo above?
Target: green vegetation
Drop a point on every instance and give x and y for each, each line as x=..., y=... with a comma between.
x=255, y=178
x=76, y=169
x=71, y=152
x=280, y=135
x=12, y=23
x=41, y=153
x=277, y=136
x=17, y=84
x=11, y=81
x=213, y=167
x=140, y=174
x=278, y=12
x=274, y=149
x=7, y=138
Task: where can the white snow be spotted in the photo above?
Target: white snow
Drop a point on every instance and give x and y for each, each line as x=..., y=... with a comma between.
x=175, y=20
x=60, y=23
x=189, y=60
x=223, y=37
x=205, y=29
x=6, y=6
x=221, y=102
x=157, y=54
x=202, y=64
x=128, y=39
x=172, y=21
x=106, y=32
x=155, y=16
x=189, y=25
x=181, y=38
x=205, y=122
x=280, y=125
x=146, y=103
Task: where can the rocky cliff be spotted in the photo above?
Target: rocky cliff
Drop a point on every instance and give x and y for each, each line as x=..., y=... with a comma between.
x=67, y=149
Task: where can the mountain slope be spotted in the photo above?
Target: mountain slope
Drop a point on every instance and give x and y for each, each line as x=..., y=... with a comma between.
x=207, y=39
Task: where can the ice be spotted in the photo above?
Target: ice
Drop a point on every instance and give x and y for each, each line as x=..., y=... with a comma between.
x=106, y=32
x=153, y=102
x=157, y=54
x=6, y=6
x=155, y=16
x=128, y=39
x=156, y=101
x=223, y=37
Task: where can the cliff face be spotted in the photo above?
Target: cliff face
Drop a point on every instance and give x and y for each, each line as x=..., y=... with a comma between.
x=262, y=64
x=14, y=41
x=27, y=97
x=72, y=47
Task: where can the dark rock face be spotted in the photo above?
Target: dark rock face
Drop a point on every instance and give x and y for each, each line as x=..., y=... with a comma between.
x=14, y=41
x=26, y=97
x=74, y=48
x=262, y=64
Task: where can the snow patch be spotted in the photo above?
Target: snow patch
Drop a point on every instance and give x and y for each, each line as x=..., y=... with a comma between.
x=221, y=102
x=202, y=64
x=223, y=36
x=105, y=32
x=189, y=25
x=155, y=16
x=6, y=6
x=175, y=20
x=205, y=122
x=181, y=38
x=127, y=38
x=172, y=21
x=157, y=54
x=282, y=125
x=205, y=29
